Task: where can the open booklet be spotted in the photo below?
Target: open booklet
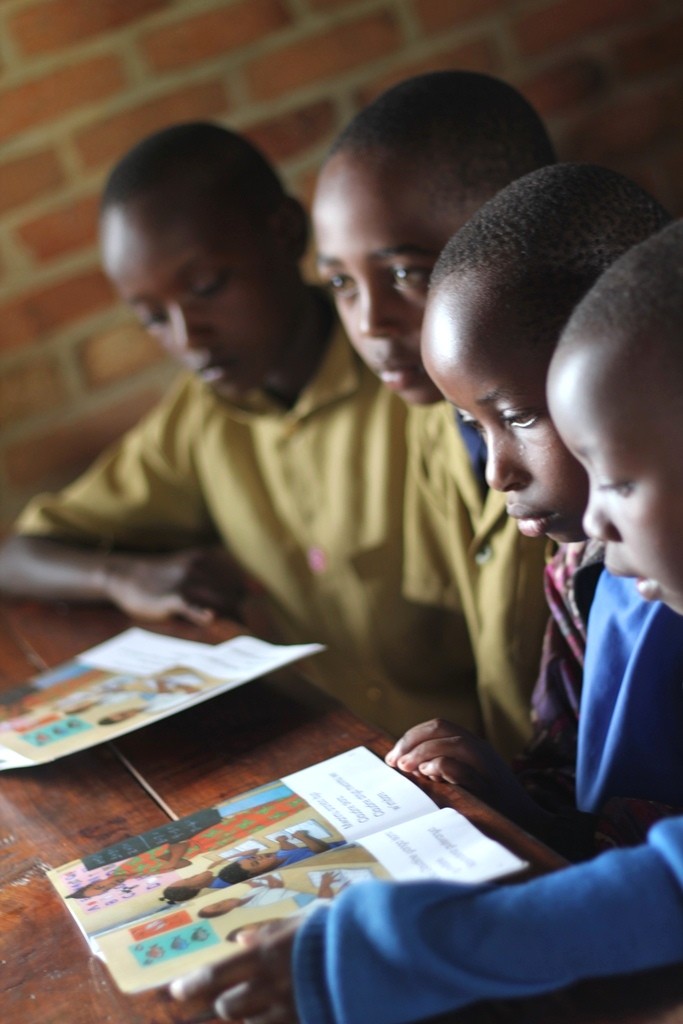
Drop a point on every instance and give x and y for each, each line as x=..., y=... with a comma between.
x=123, y=684
x=160, y=904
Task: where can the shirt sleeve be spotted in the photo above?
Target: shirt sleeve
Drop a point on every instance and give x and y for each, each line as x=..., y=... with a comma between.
x=415, y=950
x=141, y=493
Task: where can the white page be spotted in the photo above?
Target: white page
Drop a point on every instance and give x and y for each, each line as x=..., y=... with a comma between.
x=141, y=652
x=358, y=793
x=441, y=845
x=11, y=759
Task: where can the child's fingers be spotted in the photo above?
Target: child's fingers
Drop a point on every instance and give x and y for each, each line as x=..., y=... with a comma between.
x=421, y=733
x=208, y=982
x=465, y=749
x=445, y=769
x=247, y=1003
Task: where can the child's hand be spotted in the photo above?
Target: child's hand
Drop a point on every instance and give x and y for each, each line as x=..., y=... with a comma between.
x=254, y=985
x=438, y=749
x=195, y=584
x=444, y=752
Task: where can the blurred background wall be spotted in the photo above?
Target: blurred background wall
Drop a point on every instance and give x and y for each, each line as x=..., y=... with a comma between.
x=82, y=80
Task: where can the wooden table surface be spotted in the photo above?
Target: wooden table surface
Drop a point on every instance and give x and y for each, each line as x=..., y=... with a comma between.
x=198, y=758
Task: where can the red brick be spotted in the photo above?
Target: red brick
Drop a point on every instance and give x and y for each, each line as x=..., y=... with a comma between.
x=284, y=137
x=213, y=33
x=477, y=55
x=435, y=15
x=565, y=85
x=329, y=5
x=109, y=139
x=27, y=177
x=27, y=318
x=65, y=450
x=70, y=228
x=651, y=51
x=317, y=57
x=56, y=24
x=29, y=388
x=565, y=20
x=118, y=354
x=43, y=99
x=629, y=126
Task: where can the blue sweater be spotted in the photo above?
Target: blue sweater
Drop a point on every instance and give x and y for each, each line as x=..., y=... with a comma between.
x=413, y=950
x=631, y=721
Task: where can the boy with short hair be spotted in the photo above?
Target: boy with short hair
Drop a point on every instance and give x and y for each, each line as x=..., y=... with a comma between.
x=501, y=292
x=401, y=178
x=619, y=362
x=278, y=463
x=626, y=340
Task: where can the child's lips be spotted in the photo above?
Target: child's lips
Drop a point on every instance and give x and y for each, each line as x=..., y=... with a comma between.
x=401, y=378
x=529, y=523
x=217, y=372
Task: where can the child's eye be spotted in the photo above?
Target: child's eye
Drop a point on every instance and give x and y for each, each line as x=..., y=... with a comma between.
x=150, y=319
x=522, y=420
x=624, y=489
x=469, y=421
x=411, y=277
x=340, y=285
x=204, y=288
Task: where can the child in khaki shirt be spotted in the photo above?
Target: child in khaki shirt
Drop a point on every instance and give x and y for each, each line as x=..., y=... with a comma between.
x=276, y=464
x=405, y=174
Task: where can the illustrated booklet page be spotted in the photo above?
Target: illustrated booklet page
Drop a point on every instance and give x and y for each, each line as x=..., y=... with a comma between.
x=160, y=904
x=136, y=678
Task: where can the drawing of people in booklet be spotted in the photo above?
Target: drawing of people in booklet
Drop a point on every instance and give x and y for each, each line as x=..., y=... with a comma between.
x=122, y=684
x=255, y=833
x=157, y=904
x=153, y=952
x=51, y=714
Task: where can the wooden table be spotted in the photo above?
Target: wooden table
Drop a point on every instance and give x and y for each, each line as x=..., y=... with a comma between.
x=198, y=758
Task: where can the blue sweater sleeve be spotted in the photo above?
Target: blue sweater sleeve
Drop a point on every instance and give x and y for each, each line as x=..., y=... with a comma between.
x=414, y=950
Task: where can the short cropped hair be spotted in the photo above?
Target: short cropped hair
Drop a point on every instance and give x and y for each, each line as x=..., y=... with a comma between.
x=641, y=293
x=548, y=236
x=472, y=131
x=233, y=873
x=201, y=159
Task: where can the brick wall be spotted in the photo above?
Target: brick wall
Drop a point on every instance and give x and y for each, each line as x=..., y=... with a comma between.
x=82, y=80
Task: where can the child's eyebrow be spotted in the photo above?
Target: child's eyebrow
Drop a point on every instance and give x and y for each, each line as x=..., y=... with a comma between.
x=495, y=395
x=404, y=250
x=390, y=252
x=188, y=264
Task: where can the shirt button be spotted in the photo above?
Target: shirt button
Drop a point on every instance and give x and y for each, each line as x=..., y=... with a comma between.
x=483, y=555
x=317, y=559
x=373, y=693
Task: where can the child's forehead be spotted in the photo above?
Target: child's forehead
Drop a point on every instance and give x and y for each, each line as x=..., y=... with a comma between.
x=396, y=183
x=196, y=215
x=472, y=329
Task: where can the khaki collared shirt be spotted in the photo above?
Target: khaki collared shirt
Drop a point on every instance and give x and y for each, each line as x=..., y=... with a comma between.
x=464, y=552
x=309, y=500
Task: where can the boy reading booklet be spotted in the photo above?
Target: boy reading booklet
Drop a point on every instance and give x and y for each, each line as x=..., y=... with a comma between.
x=160, y=904
x=129, y=681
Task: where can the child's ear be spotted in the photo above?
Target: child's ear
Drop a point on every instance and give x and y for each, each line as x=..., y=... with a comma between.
x=290, y=226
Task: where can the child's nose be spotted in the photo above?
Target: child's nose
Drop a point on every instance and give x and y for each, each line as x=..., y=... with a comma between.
x=503, y=471
x=597, y=523
x=184, y=334
x=377, y=318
